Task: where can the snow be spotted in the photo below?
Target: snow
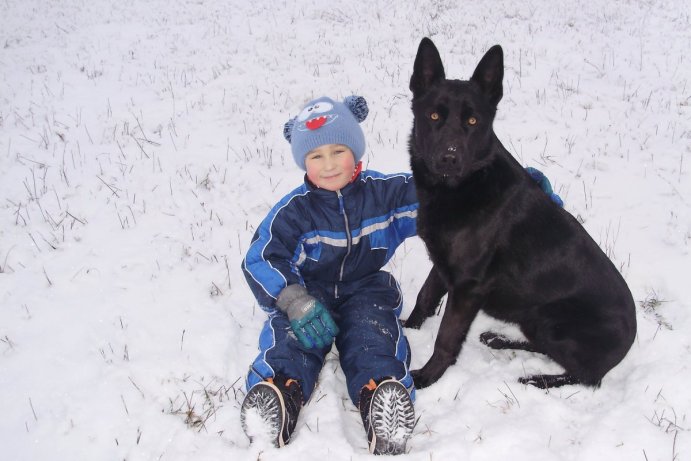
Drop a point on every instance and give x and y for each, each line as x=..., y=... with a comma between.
x=141, y=143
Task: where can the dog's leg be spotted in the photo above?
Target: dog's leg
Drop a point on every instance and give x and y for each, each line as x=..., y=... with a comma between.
x=497, y=341
x=547, y=381
x=427, y=300
x=459, y=314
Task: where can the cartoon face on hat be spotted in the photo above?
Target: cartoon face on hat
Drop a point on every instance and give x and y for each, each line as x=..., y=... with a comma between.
x=315, y=116
x=324, y=121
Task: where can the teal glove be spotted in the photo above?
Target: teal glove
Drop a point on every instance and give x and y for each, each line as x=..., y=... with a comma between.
x=310, y=320
x=542, y=181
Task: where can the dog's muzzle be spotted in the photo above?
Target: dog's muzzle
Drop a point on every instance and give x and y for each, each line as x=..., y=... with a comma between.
x=448, y=163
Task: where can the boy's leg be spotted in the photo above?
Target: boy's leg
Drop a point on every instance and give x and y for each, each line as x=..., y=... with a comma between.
x=375, y=359
x=371, y=342
x=281, y=378
x=280, y=353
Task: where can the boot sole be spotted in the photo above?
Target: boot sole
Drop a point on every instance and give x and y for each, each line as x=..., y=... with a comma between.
x=392, y=418
x=263, y=414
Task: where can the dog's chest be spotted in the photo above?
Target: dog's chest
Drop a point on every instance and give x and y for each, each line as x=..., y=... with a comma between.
x=446, y=238
x=459, y=239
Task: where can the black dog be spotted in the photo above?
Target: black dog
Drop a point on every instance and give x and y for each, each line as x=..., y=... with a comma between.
x=498, y=242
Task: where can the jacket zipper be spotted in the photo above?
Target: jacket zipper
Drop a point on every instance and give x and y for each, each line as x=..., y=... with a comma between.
x=349, y=240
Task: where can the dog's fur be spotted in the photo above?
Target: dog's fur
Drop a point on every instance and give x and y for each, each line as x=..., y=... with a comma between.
x=498, y=242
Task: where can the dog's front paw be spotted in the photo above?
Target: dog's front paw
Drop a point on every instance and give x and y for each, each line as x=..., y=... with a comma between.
x=494, y=340
x=412, y=322
x=419, y=379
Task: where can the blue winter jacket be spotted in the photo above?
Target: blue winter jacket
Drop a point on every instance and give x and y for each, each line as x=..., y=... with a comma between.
x=313, y=234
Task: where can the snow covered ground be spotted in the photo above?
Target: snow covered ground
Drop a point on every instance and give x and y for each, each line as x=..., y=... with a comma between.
x=141, y=143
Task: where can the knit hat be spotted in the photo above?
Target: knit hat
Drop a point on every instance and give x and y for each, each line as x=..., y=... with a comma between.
x=325, y=121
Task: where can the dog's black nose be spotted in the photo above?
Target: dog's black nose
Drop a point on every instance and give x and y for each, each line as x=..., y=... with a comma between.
x=448, y=159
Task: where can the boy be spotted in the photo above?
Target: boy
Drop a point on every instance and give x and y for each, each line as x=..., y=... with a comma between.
x=315, y=266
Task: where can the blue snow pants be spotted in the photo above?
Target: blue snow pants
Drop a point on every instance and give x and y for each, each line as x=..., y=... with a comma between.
x=371, y=343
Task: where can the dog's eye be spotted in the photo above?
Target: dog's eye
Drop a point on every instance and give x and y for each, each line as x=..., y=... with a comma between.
x=472, y=121
x=434, y=116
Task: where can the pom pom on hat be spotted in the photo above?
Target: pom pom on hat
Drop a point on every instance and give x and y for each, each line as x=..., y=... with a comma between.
x=288, y=129
x=358, y=106
x=325, y=121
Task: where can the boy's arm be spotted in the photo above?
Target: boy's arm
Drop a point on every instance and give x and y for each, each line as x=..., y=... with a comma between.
x=403, y=197
x=273, y=277
x=268, y=265
x=542, y=181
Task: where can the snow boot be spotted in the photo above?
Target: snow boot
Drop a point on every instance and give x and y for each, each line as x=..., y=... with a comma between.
x=388, y=415
x=270, y=410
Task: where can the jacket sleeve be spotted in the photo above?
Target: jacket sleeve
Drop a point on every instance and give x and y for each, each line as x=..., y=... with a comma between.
x=403, y=197
x=410, y=200
x=396, y=200
x=269, y=265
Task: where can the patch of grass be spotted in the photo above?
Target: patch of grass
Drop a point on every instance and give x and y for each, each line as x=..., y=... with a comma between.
x=201, y=405
x=651, y=307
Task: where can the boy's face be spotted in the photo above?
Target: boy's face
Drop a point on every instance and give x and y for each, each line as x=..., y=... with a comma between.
x=330, y=166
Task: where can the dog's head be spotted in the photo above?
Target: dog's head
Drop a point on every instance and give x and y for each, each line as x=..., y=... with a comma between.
x=452, y=132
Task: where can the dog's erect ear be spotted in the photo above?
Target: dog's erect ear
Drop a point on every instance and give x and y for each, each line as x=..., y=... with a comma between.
x=428, y=68
x=489, y=73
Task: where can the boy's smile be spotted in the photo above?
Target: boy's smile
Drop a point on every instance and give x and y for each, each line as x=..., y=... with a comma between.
x=330, y=166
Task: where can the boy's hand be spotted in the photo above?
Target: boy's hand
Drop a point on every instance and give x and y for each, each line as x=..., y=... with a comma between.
x=309, y=319
x=539, y=177
x=316, y=328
